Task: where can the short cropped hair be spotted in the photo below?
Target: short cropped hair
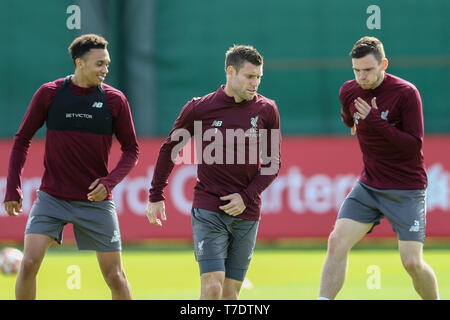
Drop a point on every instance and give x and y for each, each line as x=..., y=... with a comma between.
x=367, y=45
x=238, y=54
x=81, y=45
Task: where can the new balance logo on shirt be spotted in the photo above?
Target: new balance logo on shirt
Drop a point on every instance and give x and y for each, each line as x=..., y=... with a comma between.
x=216, y=123
x=97, y=105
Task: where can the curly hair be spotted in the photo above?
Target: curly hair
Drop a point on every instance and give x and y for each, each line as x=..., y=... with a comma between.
x=81, y=45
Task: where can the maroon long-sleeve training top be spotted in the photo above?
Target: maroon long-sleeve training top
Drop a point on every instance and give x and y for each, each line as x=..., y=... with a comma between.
x=391, y=136
x=74, y=158
x=217, y=113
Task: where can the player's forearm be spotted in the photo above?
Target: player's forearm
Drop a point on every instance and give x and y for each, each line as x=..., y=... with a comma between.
x=163, y=169
x=13, y=187
x=404, y=141
x=17, y=159
x=127, y=162
x=179, y=136
x=347, y=119
x=34, y=119
x=268, y=173
x=270, y=167
x=256, y=187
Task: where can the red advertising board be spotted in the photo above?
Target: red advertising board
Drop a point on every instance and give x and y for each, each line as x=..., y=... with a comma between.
x=316, y=175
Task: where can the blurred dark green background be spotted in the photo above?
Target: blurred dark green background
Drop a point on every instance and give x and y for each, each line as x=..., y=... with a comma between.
x=166, y=52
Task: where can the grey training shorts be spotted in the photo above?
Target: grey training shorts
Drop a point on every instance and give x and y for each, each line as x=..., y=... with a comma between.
x=95, y=224
x=404, y=209
x=223, y=242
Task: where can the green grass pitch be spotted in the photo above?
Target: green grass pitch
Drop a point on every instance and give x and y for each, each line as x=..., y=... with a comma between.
x=273, y=274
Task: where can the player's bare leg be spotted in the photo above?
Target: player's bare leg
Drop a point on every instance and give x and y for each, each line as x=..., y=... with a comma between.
x=35, y=247
x=212, y=285
x=345, y=235
x=114, y=275
x=423, y=277
x=231, y=289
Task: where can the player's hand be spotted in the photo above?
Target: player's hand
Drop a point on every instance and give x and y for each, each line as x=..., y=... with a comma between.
x=364, y=108
x=98, y=193
x=236, y=205
x=153, y=209
x=13, y=208
x=353, y=130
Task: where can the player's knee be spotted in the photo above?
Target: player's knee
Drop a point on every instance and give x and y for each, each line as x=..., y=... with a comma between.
x=336, y=244
x=231, y=291
x=30, y=266
x=115, y=279
x=213, y=289
x=412, y=264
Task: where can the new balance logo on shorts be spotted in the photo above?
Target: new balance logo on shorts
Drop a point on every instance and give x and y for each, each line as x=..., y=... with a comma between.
x=116, y=236
x=415, y=227
x=251, y=254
